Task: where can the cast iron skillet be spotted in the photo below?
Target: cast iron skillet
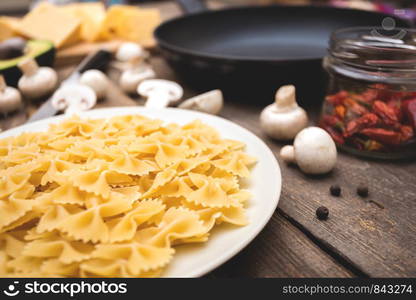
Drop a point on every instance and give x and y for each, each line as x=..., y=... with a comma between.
x=251, y=51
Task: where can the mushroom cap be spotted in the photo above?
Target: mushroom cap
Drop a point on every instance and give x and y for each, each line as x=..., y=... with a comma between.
x=131, y=78
x=210, y=102
x=173, y=90
x=128, y=51
x=96, y=80
x=40, y=84
x=315, y=151
x=283, y=125
x=10, y=100
x=77, y=97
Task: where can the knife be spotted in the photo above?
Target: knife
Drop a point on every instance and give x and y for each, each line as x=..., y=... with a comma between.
x=96, y=60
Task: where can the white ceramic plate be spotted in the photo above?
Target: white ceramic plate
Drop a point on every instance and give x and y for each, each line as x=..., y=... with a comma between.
x=225, y=241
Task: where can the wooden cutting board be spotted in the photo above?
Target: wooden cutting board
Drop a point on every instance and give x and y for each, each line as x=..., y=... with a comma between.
x=73, y=54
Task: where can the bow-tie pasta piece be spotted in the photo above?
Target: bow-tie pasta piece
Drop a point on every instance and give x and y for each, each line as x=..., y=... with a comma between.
x=55, y=268
x=21, y=155
x=124, y=228
x=236, y=163
x=135, y=258
x=177, y=223
x=65, y=251
x=124, y=163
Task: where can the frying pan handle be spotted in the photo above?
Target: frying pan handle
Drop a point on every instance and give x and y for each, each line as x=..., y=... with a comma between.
x=192, y=6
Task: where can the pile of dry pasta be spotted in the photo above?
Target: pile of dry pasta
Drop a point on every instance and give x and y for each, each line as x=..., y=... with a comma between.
x=112, y=197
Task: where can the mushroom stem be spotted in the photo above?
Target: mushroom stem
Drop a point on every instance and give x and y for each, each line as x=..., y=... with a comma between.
x=158, y=99
x=28, y=66
x=159, y=92
x=287, y=153
x=2, y=84
x=285, y=98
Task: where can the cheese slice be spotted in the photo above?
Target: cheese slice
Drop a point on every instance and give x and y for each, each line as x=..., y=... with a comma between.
x=91, y=15
x=6, y=29
x=131, y=24
x=48, y=22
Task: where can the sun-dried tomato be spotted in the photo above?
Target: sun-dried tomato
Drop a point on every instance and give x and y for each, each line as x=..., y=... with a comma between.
x=338, y=98
x=332, y=121
x=407, y=95
x=368, y=96
x=336, y=136
x=382, y=135
x=372, y=145
x=409, y=110
x=407, y=133
x=354, y=106
x=396, y=106
x=365, y=121
x=382, y=91
x=340, y=111
x=386, y=113
x=376, y=119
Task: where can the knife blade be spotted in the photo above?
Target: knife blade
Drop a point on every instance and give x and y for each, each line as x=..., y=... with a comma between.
x=96, y=60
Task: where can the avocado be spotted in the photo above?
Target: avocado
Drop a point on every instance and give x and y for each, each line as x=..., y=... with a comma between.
x=12, y=48
x=42, y=51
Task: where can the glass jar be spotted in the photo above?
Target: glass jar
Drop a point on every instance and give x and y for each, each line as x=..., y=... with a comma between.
x=370, y=107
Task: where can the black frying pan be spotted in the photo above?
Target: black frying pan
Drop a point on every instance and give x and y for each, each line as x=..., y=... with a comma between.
x=251, y=51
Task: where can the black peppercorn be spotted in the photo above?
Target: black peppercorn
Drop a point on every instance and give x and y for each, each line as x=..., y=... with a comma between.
x=322, y=213
x=362, y=191
x=335, y=190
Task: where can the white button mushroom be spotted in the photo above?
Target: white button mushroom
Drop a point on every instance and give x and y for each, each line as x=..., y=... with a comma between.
x=131, y=78
x=128, y=51
x=10, y=99
x=283, y=119
x=96, y=80
x=313, y=151
x=210, y=102
x=74, y=98
x=160, y=93
x=36, y=82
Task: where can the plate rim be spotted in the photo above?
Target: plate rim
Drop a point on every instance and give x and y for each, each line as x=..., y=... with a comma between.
x=230, y=252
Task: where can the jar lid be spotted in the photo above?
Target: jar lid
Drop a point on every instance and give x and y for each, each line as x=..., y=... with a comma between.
x=378, y=54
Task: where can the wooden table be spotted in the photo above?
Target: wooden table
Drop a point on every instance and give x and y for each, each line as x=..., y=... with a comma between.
x=375, y=237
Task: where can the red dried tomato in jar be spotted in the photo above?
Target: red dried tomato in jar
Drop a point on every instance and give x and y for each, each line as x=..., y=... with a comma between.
x=370, y=107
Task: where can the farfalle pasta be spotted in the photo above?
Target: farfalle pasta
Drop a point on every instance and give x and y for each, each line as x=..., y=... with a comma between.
x=114, y=197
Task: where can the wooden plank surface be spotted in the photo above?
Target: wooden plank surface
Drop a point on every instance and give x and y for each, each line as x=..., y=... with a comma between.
x=372, y=237
x=281, y=250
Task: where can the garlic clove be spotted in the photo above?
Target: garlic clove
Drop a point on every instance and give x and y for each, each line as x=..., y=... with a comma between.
x=96, y=80
x=210, y=102
x=283, y=119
